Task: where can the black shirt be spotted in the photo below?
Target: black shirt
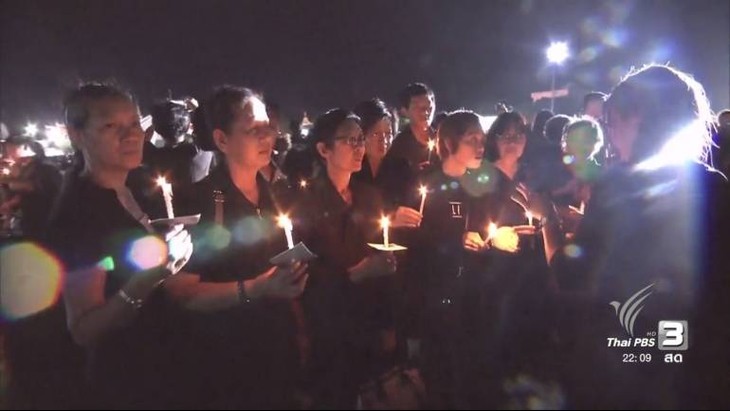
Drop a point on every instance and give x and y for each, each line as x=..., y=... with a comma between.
x=405, y=159
x=667, y=229
x=345, y=319
x=90, y=227
x=247, y=354
x=182, y=164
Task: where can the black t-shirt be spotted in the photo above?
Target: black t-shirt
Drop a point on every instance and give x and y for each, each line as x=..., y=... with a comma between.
x=666, y=230
x=345, y=319
x=405, y=159
x=90, y=228
x=247, y=354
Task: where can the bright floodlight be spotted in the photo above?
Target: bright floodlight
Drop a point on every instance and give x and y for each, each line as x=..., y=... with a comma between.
x=558, y=52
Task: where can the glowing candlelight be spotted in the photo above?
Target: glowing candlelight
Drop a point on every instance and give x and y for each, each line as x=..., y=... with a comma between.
x=385, y=224
x=431, y=147
x=491, y=231
x=286, y=224
x=303, y=184
x=424, y=191
x=6, y=171
x=167, y=193
x=530, y=217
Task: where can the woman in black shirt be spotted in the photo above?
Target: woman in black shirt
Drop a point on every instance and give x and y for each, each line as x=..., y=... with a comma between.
x=247, y=353
x=347, y=302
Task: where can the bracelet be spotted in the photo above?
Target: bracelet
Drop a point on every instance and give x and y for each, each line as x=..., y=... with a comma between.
x=135, y=303
x=242, y=296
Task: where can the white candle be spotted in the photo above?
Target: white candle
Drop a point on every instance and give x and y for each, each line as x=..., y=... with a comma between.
x=286, y=224
x=582, y=207
x=424, y=191
x=491, y=231
x=529, y=218
x=167, y=193
x=385, y=224
x=431, y=146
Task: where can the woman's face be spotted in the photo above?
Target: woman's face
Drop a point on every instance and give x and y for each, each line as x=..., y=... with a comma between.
x=580, y=143
x=250, y=140
x=348, y=149
x=113, y=137
x=511, y=143
x=377, y=138
x=470, y=151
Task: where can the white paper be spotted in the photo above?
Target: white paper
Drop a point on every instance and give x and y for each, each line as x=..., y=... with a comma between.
x=390, y=247
x=300, y=253
x=187, y=220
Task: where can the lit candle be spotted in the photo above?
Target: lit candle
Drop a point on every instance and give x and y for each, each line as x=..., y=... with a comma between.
x=167, y=193
x=431, y=146
x=491, y=231
x=303, y=184
x=424, y=191
x=285, y=223
x=6, y=171
x=385, y=224
x=529, y=218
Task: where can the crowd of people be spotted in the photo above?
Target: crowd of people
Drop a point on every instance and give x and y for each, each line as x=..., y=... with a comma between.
x=516, y=241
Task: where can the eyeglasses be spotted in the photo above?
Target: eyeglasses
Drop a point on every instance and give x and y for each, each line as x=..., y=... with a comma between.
x=354, y=142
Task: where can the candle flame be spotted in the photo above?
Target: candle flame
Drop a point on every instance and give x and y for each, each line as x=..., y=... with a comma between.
x=284, y=222
x=303, y=184
x=423, y=190
x=431, y=145
x=161, y=181
x=492, y=230
x=384, y=222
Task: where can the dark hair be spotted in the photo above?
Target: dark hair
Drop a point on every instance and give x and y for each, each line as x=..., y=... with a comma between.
x=453, y=128
x=202, y=135
x=77, y=103
x=538, y=125
x=170, y=119
x=593, y=96
x=221, y=107
x=413, y=90
x=667, y=101
x=500, y=125
x=555, y=127
x=325, y=126
x=371, y=112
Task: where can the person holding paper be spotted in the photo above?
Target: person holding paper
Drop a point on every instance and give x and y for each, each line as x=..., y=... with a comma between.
x=116, y=264
x=245, y=337
x=347, y=302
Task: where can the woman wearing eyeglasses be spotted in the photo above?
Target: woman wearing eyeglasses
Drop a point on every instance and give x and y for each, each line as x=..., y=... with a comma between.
x=377, y=127
x=346, y=302
x=245, y=346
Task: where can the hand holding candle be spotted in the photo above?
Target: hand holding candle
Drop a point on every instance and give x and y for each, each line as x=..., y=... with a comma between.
x=167, y=193
x=285, y=222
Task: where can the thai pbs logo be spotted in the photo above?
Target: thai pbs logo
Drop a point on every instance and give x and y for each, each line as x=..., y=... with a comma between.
x=670, y=335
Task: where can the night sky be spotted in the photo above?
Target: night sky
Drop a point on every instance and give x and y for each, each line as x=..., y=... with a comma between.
x=314, y=55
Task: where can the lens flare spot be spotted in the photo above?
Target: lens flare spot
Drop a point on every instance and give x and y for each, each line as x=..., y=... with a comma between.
x=573, y=251
x=147, y=253
x=31, y=280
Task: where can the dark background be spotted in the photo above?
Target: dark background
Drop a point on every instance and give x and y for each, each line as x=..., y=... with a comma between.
x=313, y=55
